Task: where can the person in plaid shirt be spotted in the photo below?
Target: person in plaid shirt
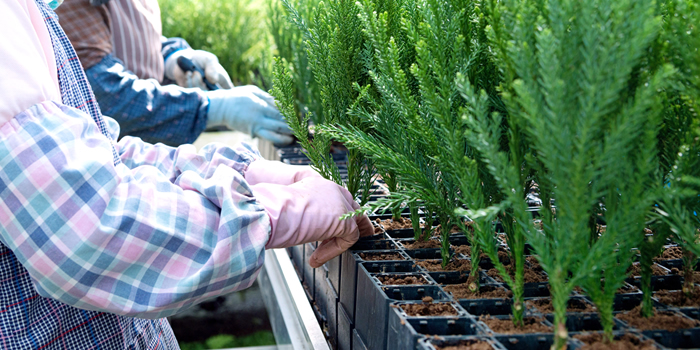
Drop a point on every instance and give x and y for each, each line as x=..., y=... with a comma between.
x=99, y=239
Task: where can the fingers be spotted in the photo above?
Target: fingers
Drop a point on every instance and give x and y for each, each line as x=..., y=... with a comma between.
x=275, y=138
x=331, y=248
x=277, y=126
x=216, y=74
x=194, y=80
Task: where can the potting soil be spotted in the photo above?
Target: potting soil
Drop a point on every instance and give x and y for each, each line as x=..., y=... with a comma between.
x=506, y=326
x=665, y=320
x=544, y=305
x=467, y=345
x=430, y=309
x=397, y=280
x=376, y=257
x=678, y=298
x=461, y=291
x=594, y=341
x=436, y=265
x=432, y=243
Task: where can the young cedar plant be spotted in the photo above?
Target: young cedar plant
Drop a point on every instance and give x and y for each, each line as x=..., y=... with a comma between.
x=417, y=132
x=506, y=170
x=675, y=139
x=335, y=51
x=291, y=47
x=580, y=124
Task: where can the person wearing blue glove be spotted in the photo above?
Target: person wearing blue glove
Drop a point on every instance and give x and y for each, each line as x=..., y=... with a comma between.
x=136, y=79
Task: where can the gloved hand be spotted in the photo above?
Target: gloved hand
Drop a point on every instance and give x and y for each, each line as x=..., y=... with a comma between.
x=275, y=172
x=214, y=72
x=308, y=211
x=248, y=109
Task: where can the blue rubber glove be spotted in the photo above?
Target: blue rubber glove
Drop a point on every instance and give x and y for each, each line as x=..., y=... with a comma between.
x=248, y=109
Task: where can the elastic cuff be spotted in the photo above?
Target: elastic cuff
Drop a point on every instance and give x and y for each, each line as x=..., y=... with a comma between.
x=172, y=52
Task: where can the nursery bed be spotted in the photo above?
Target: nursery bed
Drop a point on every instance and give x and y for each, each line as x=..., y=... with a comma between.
x=362, y=298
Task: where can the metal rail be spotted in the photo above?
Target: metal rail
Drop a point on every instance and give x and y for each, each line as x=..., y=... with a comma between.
x=293, y=322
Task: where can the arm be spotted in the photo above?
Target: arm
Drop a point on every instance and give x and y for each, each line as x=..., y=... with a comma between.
x=146, y=109
x=121, y=239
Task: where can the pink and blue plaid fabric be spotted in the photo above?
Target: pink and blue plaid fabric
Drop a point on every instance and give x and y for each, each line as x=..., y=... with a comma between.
x=100, y=240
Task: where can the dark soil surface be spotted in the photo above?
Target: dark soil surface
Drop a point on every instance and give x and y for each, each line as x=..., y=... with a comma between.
x=436, y=309
x=390, y=224
x=677, y=271
x=678, y=298
x=671, y=253
x=532, y=325
x=661, y=320
x=396, y=280
x=422, y=244
x=454, y=265
x=544, y=305
x=438, y=229
x=461, y=291
x=381, y=256
x=463, y=249
x=467, y=345
x=594, y=341
x=636, y=271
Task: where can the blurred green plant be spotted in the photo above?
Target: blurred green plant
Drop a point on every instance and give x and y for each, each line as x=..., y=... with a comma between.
x=234, y=30
x=223, y=341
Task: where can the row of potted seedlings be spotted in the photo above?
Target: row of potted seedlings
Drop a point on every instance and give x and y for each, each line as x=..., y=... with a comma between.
x=390, y=292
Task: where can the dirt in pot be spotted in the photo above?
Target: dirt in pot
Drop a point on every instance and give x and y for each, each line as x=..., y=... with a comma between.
x=395, y=280
x=463, y=291
x=595, y=341
x=463, y=249
x=432, y=243
x=438, y=229
x=436, y=265
x=544, y=305
x=665, y=320
x=381, y=256
x=677, y=271
x=530, y=325
x=675, y=252
x=636, y=271
x=467, y=345
x=401, y=223
x=678, y=298
x=430, y=309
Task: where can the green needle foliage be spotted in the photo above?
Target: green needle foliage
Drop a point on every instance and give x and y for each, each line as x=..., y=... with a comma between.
x=290, y=45
x=572, y=88
x=334, y=45
x=414, y=107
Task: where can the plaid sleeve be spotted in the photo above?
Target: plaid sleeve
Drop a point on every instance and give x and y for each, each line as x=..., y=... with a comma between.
x=173, y=162
x=146, y=109
x=115, y=238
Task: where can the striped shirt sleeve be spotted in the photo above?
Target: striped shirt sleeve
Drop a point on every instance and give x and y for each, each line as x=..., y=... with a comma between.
x=147, y=237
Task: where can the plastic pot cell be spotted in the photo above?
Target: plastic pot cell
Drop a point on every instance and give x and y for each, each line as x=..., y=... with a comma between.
x=584, y=322
x=349, y=271
x=681, y=339
x=371, y=316
x=442, y=342
x=404, y=333
x=383, y=244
